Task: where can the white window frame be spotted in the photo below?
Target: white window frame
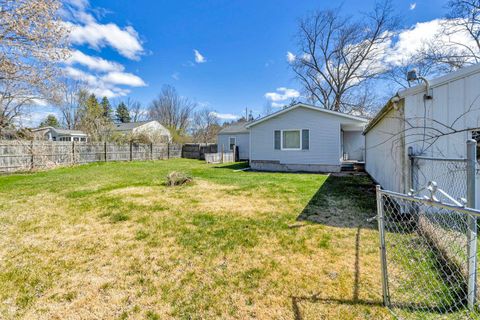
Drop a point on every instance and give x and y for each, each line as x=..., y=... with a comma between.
x=290, y=149
x=229, y=144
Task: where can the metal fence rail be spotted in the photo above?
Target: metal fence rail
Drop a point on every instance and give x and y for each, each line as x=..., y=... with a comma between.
x=449, y=173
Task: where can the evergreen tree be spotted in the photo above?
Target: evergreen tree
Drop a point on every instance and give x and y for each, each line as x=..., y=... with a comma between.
x=93, y=120
x=50, y=121
x=122, y=114
x=107, y=109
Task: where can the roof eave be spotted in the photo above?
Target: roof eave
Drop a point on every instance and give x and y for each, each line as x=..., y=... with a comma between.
x=311, y=107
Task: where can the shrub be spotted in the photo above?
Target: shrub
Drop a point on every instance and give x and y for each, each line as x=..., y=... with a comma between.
x=176, y=178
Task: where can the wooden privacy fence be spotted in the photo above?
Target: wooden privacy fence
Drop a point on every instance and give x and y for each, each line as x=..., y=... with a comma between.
x=23, y=155
x=198, y=150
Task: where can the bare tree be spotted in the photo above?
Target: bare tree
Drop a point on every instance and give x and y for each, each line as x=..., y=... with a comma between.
x=267, y=109
x=458, y=41
x=205, y=126
x=73, y=98
x=172, y=110
x=338, y=55
x=32, y=41
x=136, y=111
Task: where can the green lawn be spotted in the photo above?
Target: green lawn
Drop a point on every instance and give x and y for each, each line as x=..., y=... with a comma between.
x=110, y=241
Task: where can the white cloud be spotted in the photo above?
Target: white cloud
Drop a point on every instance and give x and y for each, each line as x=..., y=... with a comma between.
x=79, y=4
x=176, y=76
x=126, y=41
x=123, y=78
x=290, y=57
x=225, y=116
x=94, y=63
x=410, y=41
x=105, y=85
x=86, y=30
x=277, y=105
x=282, y=94
x=199, y=58
x=413, y=6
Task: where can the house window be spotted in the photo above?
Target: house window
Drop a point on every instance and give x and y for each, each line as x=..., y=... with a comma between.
x=291, y=140
x=232, y=141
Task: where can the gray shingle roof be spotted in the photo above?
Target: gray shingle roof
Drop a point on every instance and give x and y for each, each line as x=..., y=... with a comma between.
x=66, y=132
x=235, y=128
x=61, y=131
x=129, y=125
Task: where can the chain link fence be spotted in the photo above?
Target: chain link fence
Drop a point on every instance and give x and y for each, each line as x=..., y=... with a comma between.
x=426, y=252
x=449, y=174
x=428, y=240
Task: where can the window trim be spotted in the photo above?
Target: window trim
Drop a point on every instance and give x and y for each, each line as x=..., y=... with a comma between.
x=290, y=149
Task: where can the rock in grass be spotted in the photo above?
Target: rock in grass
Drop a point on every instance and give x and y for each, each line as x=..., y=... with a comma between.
x=176, y=178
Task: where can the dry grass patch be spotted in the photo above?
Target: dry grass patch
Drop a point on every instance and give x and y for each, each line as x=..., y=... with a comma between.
x=202, y=196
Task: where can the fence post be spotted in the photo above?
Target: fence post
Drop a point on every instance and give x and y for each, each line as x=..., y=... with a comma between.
x=151, y=150
x=131, y=151
x=383, y=253
x=222, y=153
x=472, y=223
x=412, y=167
x=32, y=163
x=73, y=152
x=105, y=150
x=168, y=150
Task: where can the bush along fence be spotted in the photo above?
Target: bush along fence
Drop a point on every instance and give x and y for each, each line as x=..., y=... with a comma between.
x=428, y=242
x=36, y=155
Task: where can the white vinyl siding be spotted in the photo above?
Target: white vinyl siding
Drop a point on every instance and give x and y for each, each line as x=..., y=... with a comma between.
x=242, y=141
x=384, y=155
x=323, y=137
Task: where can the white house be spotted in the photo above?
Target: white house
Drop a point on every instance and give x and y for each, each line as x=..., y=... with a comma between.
x=56, y=134
x=235, y=135
x=154, y=129
x=436, y=124
x=306, y=138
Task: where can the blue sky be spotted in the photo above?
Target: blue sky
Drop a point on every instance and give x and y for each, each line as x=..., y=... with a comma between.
x=137, y=46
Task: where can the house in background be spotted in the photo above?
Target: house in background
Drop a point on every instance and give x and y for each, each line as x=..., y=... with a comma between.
x=409, y=119
x=235, y=135
x=153, y=129
x=56, y=134
x=306, y=138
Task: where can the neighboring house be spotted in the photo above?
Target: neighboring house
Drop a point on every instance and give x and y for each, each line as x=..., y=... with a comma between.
x=306, y=138
x=56, y=134
x=237, y=134
x=153, y=129
x=436, y=127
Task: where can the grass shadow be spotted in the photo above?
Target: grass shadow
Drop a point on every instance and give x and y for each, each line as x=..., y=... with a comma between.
x=233, y=166
x=345, y=201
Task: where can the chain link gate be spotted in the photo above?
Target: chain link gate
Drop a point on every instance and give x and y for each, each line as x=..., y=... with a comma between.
x=428, y=242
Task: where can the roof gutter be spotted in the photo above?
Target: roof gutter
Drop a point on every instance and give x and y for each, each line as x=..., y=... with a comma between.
x=386, y=109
